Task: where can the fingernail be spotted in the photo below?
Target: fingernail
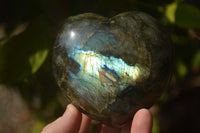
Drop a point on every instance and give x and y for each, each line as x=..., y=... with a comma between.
x=67, y=109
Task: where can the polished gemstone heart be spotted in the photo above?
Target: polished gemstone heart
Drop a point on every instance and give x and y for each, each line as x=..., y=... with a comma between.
x=111, y=67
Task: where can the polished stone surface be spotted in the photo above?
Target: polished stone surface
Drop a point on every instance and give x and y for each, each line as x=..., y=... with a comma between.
x=111, y=67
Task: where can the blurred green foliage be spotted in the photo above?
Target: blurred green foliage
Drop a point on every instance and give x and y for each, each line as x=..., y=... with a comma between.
x=28, y=31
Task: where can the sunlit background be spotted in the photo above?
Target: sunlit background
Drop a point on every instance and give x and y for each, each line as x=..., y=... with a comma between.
x=29, y=96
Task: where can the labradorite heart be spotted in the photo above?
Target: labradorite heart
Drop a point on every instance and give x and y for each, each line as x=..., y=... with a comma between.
x=111, y=67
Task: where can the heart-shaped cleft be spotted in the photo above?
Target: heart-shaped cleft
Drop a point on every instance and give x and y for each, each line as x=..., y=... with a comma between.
x=111, y=67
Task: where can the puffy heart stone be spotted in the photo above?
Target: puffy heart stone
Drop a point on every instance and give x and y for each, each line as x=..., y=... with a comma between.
x=111, y=67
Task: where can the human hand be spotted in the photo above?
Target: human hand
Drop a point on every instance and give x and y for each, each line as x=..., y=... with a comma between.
x=74, y=121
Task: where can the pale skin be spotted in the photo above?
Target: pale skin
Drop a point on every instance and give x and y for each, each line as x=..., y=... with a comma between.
x=73, y=121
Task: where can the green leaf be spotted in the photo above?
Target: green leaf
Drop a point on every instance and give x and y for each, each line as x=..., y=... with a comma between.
x=37, y=59
x=38, y=125
x=181, y=69
x=170, y=11
x=156, y=126
x=187, y=16
x=183, y=15
x=196, y=60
